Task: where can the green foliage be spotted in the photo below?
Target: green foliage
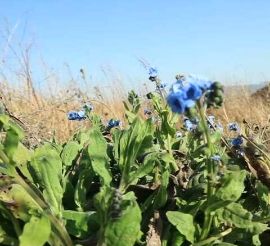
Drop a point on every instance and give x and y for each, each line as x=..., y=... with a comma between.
x=122, y=186
x=36, y=231
x=184, y=224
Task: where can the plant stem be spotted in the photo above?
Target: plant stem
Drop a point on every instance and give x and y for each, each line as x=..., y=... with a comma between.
x=213, y=238
x=210, y=173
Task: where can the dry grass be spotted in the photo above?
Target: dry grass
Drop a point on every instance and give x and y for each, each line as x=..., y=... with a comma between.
x=44, y=115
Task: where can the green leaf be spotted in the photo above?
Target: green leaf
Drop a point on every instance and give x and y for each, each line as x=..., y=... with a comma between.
x=124, y=231
x=235, y=214
x=161, y=197
x=183, y=223
x=232, y=186
x=46, y=170
x=145, y=168
x=133, y=142
x=69, y=152
x=97, y=150
x=80, y=224
x=264, y=196
x=81, y=188
x=21, y=157
x=36, y=232
x=13, y=135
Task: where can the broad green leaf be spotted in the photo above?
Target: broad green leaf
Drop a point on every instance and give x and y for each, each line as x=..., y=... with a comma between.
x=97, y=150
x=166, y=127
x=80, y=224
x=184, y=224
x=146, y=167
x=14, y=134
x=36, y=232
x=133, y=142
x=82, y=137
x=235, y=214
x=46, y=170
x=264, y=196
x=69, y=152
x=232, y=186
x=124, y=231
x=21, y=157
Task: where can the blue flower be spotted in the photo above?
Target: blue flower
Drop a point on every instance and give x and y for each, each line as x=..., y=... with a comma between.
x=192, y=91
x=216, y=158
x=113, y=123
x=161, y=86
x=186, y=91
x=81, y=114
x=147, y=112
x=177, y=86
x=190, y=125
x=233, y=127
x=153, y=73
x=236, y=142
x=182, y=98
x=76, y=115
x=178, y=103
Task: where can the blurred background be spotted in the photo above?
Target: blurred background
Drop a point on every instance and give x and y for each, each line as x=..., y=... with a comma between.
x=57, y=55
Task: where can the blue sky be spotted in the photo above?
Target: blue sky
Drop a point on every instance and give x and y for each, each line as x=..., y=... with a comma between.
x=227, y=40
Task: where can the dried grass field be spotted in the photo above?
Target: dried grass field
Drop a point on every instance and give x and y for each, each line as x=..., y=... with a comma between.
x=43, y=113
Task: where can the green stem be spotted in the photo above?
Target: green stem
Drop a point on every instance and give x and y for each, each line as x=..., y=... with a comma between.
x=213, y=238
x=210, y=172
x=264, y=220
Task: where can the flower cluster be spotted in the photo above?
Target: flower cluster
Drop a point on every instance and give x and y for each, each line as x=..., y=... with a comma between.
x=80, y=115
x=147, y=112
x=212, y=124
x=216, y=158
x=233, y=127
x=161, y=86
x=113, y=123
x=214, y=97
x=185, y=92
x=237, y=142
x=153, y=73
x=190, y=125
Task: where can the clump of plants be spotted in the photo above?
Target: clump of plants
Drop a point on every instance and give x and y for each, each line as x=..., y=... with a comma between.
x=170, y=176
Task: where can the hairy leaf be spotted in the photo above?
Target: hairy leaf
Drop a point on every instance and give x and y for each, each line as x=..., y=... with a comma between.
x=183, y=222
x=235, y=214
x=69, y=152
x=232, y=186
x=124, y=231
x=46, y=169
x=36, y=232
x=97, y=150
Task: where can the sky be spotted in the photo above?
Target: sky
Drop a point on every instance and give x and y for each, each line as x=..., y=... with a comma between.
x=225, y=40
